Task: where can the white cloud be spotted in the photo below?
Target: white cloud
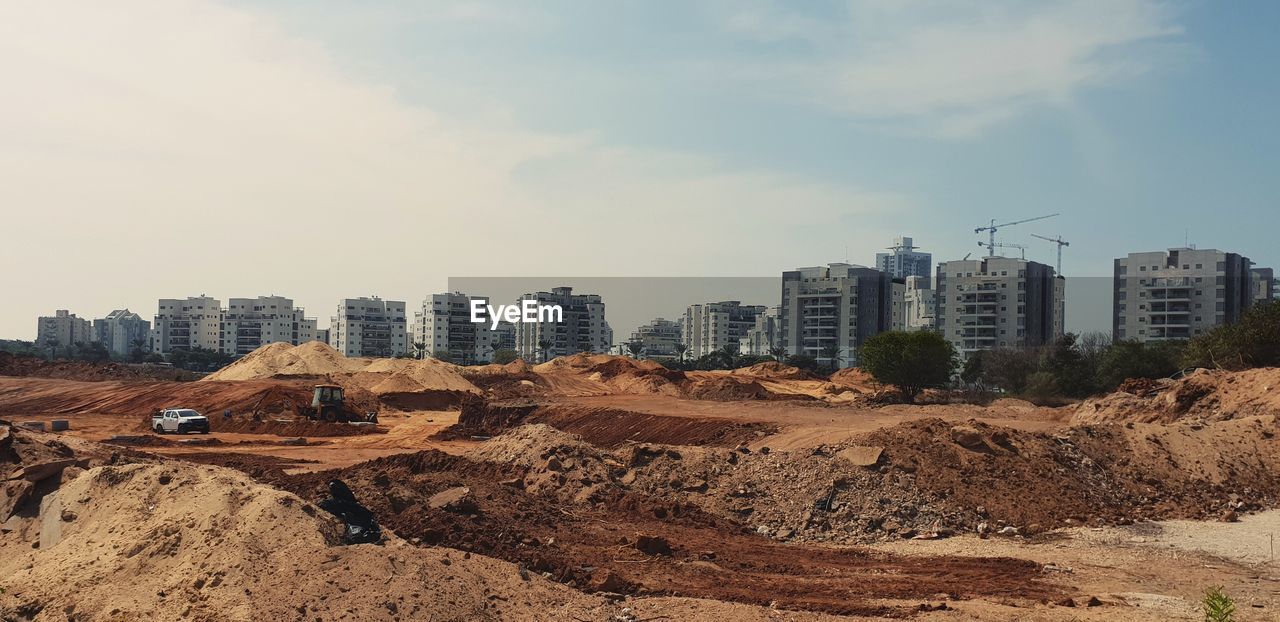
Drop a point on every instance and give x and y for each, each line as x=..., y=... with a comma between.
x=173, y=147
x=957, y=67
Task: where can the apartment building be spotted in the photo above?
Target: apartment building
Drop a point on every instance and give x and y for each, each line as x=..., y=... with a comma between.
x=443, y=324
x=1264, y=285
x=713, y=326
x=582, y=328
x=369, y=327
x=763, y=336
x=63, y=329
x=997, y=302
x=659, y=338
x=122, y=332
x=1179, y=293
x=185, y=324
x=903, y=261
x=828, y=312
x=250, y=323
x=503, y=337
x=917, y=304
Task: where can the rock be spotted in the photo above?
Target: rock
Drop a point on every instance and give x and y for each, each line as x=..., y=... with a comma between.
x=697, y=485
x=967, y=436
x=294, y=441
x=861, y=455
x=553, y=464
x=610, y=582
x=783, y=534
x=984, y=530
x=459, y=500
x=653, y=545
x=12, y=495
x=628, y=478
x=1008, y=531
x=1229, y=516
x=6, y=437
x=41, y=470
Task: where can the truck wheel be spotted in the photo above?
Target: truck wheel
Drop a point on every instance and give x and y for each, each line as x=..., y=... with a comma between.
x=159, y=429
x=331, y=416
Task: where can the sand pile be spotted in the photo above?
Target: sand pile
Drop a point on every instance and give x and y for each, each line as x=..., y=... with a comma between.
x=178, y=540
x=403, y=383
x=1209, y=395
x=554, y=461
x=774, y=369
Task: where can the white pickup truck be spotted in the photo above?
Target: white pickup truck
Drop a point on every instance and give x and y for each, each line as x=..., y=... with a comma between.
x=179, y=421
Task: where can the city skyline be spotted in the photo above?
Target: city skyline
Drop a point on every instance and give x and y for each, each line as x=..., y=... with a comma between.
x=359, y=150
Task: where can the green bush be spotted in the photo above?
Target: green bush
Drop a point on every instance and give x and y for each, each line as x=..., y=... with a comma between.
x=1252, y=342
x=1218, y=607
x=911, y=361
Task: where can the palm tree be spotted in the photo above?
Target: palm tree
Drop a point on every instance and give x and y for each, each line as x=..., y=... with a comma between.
x=680, y=349
x=137, y=353
x=831, y=352
x=419, y=350
x=778, y=353
x=635, y=348
x=545, y=347
x=727, y=356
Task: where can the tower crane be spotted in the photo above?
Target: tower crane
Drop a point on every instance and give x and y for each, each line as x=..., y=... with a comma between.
x=1060, y=242
x=991, y=230
x=993, y=247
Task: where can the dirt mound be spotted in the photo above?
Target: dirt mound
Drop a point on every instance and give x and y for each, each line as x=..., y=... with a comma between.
x=728, y=389
x=1209, y=395
x=601, y=545
x=438, y=383
x=854, y=377
x=554, y=461
x=293, y=429
x=34, y=464
x=177, y=540
x=603, y=427
x=30, y=366
x=774, y=369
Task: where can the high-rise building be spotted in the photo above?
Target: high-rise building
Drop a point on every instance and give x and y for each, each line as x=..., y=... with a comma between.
x=917, y=304
x=122, y=332
x=659, y=338
x=763, y=336
x=997, y=302
x=443, y=325
x=713, y=326
x=828, y=312
x=582, y=326
x=503, y=337
x=186, y=324
x=249, y=323
x=369, y=327
x=1179, y=293
x=1264, y=285
x=63, y=329
x=903, y=261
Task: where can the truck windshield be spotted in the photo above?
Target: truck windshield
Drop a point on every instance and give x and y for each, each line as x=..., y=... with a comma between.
x=187, y=412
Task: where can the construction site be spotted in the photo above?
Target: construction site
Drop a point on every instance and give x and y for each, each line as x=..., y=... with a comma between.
x=606, y=488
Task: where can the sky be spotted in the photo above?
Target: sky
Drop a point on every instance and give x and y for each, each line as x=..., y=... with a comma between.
x=328, y=149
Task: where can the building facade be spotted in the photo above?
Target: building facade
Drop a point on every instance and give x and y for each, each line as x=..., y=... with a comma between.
x=917, y=304
x=370, y=327
x=250, y=323
x=763, y=336
x=186, y=324
x=443, y=324
x=659, y=338
x=997, y=302
x=713, y=326
x=903, y=261
x=1264, y=285
x=1179, y=293
x=582, y=328
x=122, y=332
x=63, y=330
x=828, y=312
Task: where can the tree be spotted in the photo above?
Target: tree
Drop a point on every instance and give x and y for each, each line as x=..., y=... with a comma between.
x=503, y=356
x=1134, y=359
x=1009, y=369
x=1254, y=341
x=442, y=355
x=911, y=361
x=200, y=359
x=138, y=352
x=831, y=352
x=419, y=350
x=636, y=348
x=1073, y=374
x=803, y=361
x=778, y=353
x=544, y=346
x=680, y=349
x=973, y=366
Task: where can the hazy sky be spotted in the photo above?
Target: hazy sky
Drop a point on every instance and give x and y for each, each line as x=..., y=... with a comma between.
x=326, y=149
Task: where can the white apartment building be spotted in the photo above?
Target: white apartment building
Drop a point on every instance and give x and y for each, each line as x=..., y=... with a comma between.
x=713, y=326
x=659, y=338
x=582, y=328
x=122, y=332
x=917, y=304
x=997, y=302
x=369, y=327
x=250, y=323
x=63, y=329
x=184, y=324
x=1179, y=293
x=443, y=324
x=903, y=261
x=833, y=309
x=763, y=336
x=1264, y=285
